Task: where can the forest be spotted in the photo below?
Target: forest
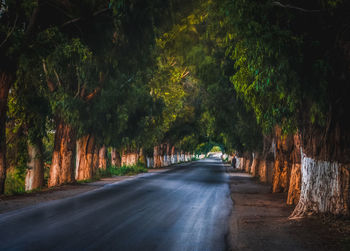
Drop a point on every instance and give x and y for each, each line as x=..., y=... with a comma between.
x=93, y=85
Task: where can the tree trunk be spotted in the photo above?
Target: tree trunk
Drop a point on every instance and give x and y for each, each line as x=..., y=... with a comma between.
x=102, y=160
x=168, y=153
x=295, y=176
x=95, y=163
x=124, y=158
x=247, y=165
x=266, y=170
x=247, y=162
x=161, y=155
x=172, y=155
x=239, y=162
x=115, y=158
x=324, y=187
x=134, y=157
x=85, y=157
x=35, y=173
x=156, y=163
x=150, y=161
x=254, y=170
x=141, y=157
x=129, y=157
x=5, y=83
x=325, y=172
x=266, y=163
x=62, y=167
x=283, y=162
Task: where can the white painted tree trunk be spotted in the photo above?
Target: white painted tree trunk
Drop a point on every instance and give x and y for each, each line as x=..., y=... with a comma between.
x=238, y=162
x=169, y=160
x=35, y=173
x=165, y=162
x=77, y=159
x=254, y=168
x=323, y=188
x=149, y=162
x=174, y=159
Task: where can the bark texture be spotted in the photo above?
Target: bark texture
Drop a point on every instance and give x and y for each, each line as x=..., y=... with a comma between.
x=282, y=167
x=266, y=163
x=266, y=170
x=295, y=177
x=149, y=162
x=141, y=156
x=173, y=155
x=156, y=157
x=247, y=162
x=102, y=158
x=325, y=168
x=239, y=162
x=85, y=158
x=62, y=167
x=5, y=83
x=96, y=160
x=254, y=169
x=324, y=187
x=35, y=173
x=161, y=155
x=115, y=158
x=129, y=157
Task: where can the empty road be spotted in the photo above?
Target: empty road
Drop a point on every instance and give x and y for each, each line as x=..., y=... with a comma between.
x=182, y=209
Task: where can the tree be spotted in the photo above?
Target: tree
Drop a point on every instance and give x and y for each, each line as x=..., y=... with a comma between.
x=19, y=26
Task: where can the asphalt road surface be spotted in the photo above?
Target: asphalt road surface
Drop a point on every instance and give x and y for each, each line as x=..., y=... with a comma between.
x=182, y=209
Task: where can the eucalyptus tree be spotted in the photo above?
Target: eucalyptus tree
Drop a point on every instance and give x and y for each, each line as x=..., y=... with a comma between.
x=17, y=29
x=30, y=110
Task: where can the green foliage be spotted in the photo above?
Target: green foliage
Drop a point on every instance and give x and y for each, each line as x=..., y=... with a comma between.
x=216, y=149
x=127, y=170
x=194, y=159
x=197, y=43
x=282, y=62
x=14, y=16
x=138, y=73
x=263, y=71
x=204, y=148
x=14, y=183
x=17, y=154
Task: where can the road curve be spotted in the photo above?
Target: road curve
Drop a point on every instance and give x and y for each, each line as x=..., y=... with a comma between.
x=182, y=209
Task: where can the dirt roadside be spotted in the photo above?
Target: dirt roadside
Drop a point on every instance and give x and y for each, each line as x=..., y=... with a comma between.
x=14, y=202
x=259, y=221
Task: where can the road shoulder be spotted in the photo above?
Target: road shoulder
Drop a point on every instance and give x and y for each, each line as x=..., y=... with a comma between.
x=259, y=221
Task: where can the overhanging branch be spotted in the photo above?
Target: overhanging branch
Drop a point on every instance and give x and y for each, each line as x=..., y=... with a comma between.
x=288, y=6
x=77, y=19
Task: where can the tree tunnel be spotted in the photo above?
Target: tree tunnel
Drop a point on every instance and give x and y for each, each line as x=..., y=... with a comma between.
x=90, y=86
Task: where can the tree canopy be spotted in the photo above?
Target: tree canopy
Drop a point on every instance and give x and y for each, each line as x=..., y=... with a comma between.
x=136, y=74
